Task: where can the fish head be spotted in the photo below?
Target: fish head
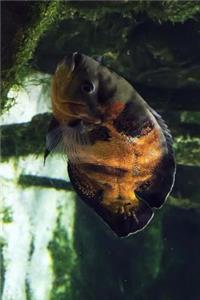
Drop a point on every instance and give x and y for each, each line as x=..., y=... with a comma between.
x=84, y=89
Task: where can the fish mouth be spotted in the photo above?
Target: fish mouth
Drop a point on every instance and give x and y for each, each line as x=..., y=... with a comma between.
x=73, y=61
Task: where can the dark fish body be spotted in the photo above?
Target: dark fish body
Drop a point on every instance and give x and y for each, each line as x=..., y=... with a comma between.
x=119, y=149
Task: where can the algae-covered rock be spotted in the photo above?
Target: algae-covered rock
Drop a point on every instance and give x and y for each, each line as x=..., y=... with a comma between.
x=145, y=52
x=94, y=28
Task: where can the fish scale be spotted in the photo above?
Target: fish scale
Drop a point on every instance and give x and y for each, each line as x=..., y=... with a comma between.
x=120, y=157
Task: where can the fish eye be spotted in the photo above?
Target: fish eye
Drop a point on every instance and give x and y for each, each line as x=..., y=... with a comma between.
x=88, y=87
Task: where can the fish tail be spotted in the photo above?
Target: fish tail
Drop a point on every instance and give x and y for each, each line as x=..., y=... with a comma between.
x=127, y=217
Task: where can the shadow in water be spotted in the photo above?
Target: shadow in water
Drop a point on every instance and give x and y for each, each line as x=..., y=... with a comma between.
x=112, y=267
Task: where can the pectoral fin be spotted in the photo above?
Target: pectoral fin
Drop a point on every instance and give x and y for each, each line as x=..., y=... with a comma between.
x=53, y=137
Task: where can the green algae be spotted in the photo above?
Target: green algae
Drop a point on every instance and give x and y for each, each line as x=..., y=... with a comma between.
x=64, y=261
x=6, y=215
x=187, y=150
x=46, y=15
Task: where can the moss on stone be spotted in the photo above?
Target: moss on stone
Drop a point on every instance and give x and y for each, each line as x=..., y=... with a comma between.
x=63, y=264
x=187, y=150
x=191, y=117
x=26, y=41
x=26, y=138
x=172, y=11
x=6, y=215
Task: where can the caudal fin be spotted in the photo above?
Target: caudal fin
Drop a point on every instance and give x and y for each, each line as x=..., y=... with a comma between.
x=129, y=220
x=123, y=217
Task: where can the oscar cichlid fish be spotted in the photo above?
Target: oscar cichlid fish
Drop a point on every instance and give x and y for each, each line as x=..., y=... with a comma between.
x=120, y=157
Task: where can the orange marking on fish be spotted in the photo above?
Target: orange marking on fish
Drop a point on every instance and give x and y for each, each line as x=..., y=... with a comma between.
x=119, y=153
x=135, y=157
x=114, y=109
